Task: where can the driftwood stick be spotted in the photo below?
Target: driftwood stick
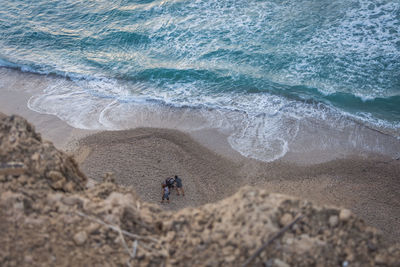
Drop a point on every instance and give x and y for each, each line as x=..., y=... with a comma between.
x=134, y=249
x=272, y=239
x=121, y=236
x=115, y=228
x=12, y=168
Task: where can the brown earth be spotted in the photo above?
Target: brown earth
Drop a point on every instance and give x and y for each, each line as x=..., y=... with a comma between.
x=48, y=217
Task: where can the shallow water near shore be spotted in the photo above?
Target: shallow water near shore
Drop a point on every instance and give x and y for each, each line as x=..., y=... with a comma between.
x=310, y=140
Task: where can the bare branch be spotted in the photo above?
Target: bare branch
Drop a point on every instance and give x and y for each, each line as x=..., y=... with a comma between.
x=272, y=239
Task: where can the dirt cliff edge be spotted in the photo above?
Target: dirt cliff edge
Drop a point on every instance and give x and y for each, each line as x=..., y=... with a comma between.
x=49, y=217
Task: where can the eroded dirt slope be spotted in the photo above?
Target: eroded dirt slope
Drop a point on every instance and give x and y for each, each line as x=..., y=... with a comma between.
x=49, y=217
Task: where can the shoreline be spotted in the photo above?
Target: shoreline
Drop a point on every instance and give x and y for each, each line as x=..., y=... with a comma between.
x=363, y=182
x=303, y=140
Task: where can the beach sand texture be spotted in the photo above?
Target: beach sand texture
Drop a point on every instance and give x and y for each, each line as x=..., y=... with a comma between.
x=143, y=158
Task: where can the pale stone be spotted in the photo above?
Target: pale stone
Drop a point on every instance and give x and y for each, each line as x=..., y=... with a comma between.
x=228, y=250
x=54, y=198
x=93, y=227
x=230, y=258
x=69, y=187
x=286, y=219
x=289, y=241
x=33, y=221
x=55, y=176
x=58, y=185
x=170, y=235
x=80, y=238
x=380, y=259
x=8, y=197
x=304, y=244
x=344, y=215
x=333, y=220
x=280, y=263
x=71, y=219
x=35, y=157
x=28, y=259
x=72, y=200
x=350, y=257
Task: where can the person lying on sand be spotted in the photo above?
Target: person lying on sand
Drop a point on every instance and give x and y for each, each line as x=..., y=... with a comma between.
x=165, y=193
x=179, y=186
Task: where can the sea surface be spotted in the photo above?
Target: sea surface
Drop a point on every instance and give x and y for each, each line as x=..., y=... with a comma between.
x=258, y=71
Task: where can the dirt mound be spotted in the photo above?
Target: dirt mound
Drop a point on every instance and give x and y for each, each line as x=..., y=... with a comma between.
x=40, y=164
x=47, y=217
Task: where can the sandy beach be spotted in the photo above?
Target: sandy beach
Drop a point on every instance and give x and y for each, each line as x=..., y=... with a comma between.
x=365, y=183
x=143, y=157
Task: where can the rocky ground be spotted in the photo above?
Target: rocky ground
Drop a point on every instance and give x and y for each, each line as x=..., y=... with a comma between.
x=48, y=216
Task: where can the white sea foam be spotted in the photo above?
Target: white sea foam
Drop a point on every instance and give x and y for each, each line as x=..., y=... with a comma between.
x=260, y=126
x=351, y=50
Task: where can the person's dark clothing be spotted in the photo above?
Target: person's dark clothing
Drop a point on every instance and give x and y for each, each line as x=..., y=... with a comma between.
x=170, y=182
x=178, y=182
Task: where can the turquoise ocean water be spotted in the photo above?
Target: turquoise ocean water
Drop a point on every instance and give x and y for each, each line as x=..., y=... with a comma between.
x=251, y=68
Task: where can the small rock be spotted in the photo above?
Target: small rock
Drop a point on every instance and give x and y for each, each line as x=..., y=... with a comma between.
x=251, y=194
x=230, y=258
x=72, y=200
x=228, y=250
x=23, y=179
x=53, y=199
x=380, y=259
x=286, y=219
x=333, y=220
x=289, y=241
x=8, y=197
x=35, y=157
x=80, y=238
x=170, y=236
x=92, y=228
x=58, y=185
x=350, y=257
x=280, y=263
x=55, y=176
x=303, y=244
x=12, y=139
x=71, y=219
x=69, y=187
x=28, y=259
x=344, y=215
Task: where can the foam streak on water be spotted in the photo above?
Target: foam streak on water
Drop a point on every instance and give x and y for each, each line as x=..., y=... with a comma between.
x=254, y=70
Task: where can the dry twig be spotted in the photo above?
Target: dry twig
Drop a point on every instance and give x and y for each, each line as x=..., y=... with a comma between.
x=134, y=249
x=117, y=229
x=272, y=239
